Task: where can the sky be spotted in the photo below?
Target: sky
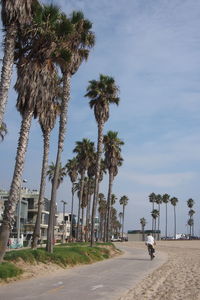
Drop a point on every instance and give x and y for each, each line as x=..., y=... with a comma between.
x=152, y=49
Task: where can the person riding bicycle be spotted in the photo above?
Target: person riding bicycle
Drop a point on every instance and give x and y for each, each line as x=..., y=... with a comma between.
x=150, y=242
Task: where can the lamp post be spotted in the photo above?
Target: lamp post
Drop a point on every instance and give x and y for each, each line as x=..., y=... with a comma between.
x=64, y=203
x=19, y=211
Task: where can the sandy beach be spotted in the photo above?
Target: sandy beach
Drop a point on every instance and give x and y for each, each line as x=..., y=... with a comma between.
x=178, y=278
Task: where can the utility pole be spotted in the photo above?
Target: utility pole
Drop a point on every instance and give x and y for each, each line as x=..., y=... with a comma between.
x=64, y=223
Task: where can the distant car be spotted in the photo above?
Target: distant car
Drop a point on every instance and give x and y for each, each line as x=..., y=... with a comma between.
x=116, y=239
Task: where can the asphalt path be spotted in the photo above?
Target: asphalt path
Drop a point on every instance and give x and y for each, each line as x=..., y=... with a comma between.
x=106, y=280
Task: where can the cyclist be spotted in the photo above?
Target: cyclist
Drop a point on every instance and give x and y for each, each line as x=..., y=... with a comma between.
x=150, y=242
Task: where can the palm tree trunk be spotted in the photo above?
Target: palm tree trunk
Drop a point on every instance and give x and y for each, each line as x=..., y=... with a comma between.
x=61, y=138
x=99, y=154
x=123, y=222
x=78, y=219
x=152, y=217
x=36, y=233
x=6, y=72
x=10, y=208
x=166, y=223
x=72, y=212
x=111, y=178
x=174, y=221
x=80, y=234
x=88, y=211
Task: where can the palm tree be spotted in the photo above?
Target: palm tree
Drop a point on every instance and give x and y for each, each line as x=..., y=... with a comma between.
x=143, y=223
x=84, y=151
x=123, y=201
x=165, y=199
x=47, y=120
x=50, y=174
x=191, y=224
x=155, y=215
x=191, y=213
x=72, y=171
x=158, y=201
x=36, y=85
x=102, y=93
x=113, y=159
x=121, y=218
x=3, y=131
x=174, y=202
x=73, y=48
x=152, y=199
x=15, y=15
x=190, y=204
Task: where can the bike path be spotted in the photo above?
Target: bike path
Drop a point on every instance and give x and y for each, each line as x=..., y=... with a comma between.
x=106, y=280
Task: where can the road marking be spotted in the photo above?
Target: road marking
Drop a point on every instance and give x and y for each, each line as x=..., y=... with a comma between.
x=95, y=287
x=58, y=283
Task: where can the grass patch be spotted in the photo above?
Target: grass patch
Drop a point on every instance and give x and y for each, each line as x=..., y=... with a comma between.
x=8, y=270
x=63, y=255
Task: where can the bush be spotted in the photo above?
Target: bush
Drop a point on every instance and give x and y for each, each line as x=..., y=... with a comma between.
x=8, y=270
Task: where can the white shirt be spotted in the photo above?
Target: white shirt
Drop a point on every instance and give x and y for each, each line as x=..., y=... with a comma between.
x=150, y=240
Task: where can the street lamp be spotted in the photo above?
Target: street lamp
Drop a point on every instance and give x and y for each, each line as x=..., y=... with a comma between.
x=64, y=203
x=19, y=211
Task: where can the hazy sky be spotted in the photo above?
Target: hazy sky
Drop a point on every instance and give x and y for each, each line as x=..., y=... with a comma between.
x=152, y=49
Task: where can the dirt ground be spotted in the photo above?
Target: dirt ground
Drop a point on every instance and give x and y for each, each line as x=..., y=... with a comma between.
x=178, y=278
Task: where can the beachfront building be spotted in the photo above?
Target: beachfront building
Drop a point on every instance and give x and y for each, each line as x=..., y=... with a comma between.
x=139, y=235
x=26, y=213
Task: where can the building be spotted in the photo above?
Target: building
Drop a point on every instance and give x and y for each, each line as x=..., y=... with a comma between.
x=27, y=208
x=139, y=235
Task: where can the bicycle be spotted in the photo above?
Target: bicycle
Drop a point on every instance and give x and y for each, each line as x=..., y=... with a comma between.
x=151, y=251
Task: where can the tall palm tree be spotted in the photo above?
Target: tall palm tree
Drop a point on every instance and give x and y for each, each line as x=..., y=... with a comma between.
x=102, y=93
x=84, y=150
x=113, y=159
x=72, y=49
x=174, y=202
x=158, y=201
x=143, y=223
x=3, y=131
x=47, y=119
x=165, y=199
x=121, y=218
x=15, y=15
x=36, y=82
x=123, y=201
x=50, y=174
x=191, y=213
x=72, y=171
x=152, y=199
x=155, y=215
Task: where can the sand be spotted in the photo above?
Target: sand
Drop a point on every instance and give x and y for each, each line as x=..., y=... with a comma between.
x=178, y=278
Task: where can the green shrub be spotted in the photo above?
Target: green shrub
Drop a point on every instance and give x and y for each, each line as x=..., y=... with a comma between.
x=8, y=270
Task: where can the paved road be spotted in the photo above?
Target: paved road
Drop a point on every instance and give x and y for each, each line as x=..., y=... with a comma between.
x=107, y=280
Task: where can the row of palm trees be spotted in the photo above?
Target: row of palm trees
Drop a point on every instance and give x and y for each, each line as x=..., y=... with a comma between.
x=190, y=204
x=155, y=213
x=46, y=57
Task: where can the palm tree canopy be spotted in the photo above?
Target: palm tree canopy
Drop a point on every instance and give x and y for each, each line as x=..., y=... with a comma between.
x=85, y=152
x=143, y=222
x=155, y=213
x=174, y=201
x=190, y=203
x=102, y=92
x=72, y=169
x=165, y=198
x=62, y=173
x=47, y=117
x=158, y=199
x=191, y=212
x=123, y=200
x=113, y=199
x=3, y=131
x=190, y=222
x=112, y=148
x=152, y=197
